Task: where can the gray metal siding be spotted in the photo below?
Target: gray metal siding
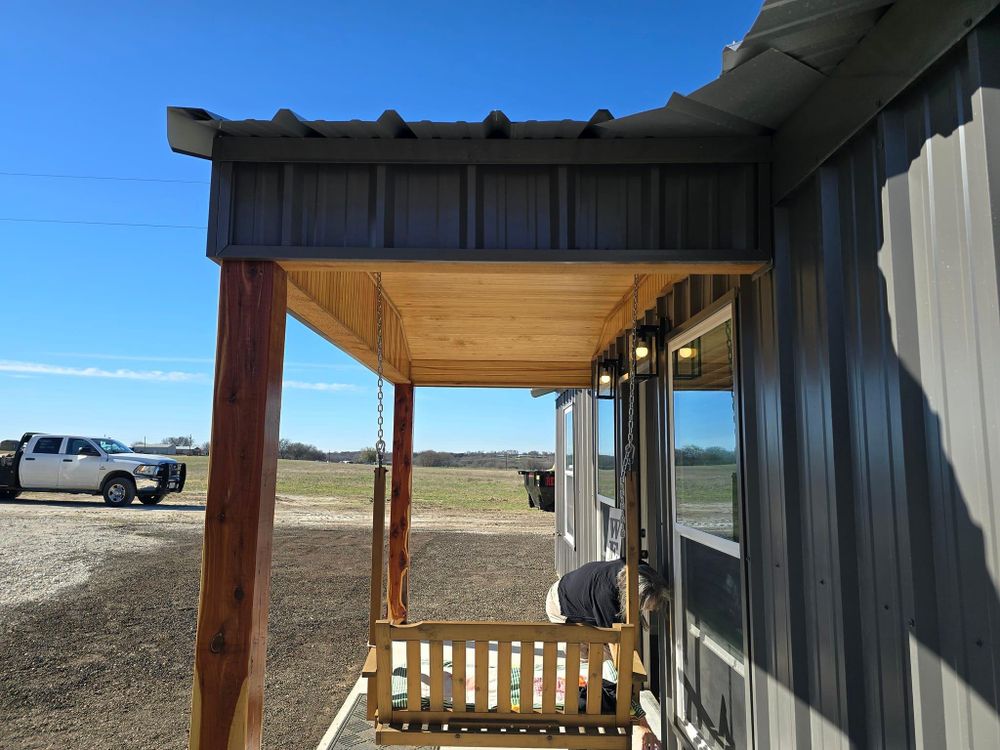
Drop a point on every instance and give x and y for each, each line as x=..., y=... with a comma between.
x=870, y=356
x=320, y=207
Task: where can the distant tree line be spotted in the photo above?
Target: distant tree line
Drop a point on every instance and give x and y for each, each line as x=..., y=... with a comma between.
x=695, y=455
x=510, y=459
x=300, y=451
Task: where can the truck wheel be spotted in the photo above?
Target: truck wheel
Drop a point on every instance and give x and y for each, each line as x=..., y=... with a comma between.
x=119, y=491
x=8, y=494
x=150, y=499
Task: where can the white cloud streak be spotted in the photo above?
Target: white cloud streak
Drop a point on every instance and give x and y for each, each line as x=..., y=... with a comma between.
x=38, y=368
x=327, y=387
x=289, y=365
x=18, y=369
x=133, y=357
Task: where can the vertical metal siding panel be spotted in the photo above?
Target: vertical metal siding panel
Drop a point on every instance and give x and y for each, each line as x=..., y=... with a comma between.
x=257, y=204
x=869, y=351
x=609, y=207
x=773, y=549
x=515, y=207
x=910, y=484
x=980, y=144
x=957, y=331
x=816, y=455
x=428, y=207
x=673, y=208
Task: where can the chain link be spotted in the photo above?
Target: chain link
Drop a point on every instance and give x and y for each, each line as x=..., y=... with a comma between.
x=628, y=453
x=380, y=443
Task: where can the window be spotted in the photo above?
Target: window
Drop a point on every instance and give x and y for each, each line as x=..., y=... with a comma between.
x=705, y=492
x=48, y=445
x=112, y=446
x=569, y=483
x=606, y=466
x=73, y=446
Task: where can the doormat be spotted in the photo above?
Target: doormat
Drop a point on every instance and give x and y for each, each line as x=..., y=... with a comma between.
x=357, y=733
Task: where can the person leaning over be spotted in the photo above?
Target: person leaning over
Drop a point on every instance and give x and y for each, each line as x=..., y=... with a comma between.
x=595, y=594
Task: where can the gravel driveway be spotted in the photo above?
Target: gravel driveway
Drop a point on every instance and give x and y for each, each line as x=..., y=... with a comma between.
x=98, y=609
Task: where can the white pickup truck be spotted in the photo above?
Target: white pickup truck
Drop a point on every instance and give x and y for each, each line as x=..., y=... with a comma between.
x=92, y=466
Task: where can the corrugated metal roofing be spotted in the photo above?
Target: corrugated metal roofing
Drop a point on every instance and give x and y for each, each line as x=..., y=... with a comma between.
x=788, y=52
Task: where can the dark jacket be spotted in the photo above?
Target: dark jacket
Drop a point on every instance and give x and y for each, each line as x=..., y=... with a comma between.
x=589, y=594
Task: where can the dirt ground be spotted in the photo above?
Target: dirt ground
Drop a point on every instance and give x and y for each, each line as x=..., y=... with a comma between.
x=98, y=609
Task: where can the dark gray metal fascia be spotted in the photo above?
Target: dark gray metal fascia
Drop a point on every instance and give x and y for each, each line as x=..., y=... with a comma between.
x=687, y=150
x=188, y=135
x=908, y=39
x=506, y=255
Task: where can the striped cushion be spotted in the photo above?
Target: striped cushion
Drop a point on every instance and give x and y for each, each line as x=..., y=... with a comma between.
x=400, y=692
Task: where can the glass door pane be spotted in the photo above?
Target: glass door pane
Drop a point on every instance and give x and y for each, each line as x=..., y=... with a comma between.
x=711, y=633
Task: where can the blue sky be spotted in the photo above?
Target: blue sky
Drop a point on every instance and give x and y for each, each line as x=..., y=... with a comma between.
x=111, y=329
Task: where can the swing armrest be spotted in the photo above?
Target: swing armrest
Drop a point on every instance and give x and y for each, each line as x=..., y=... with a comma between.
x=368, y=670
x=638, y=670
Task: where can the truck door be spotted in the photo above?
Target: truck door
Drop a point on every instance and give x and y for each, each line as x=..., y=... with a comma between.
x=80, y=467
x=40, y=463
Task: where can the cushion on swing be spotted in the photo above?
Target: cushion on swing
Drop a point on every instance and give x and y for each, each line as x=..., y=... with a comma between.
x=608, y=688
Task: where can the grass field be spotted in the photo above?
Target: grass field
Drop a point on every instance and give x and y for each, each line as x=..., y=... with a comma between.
x=705, y=497
x=350, y=485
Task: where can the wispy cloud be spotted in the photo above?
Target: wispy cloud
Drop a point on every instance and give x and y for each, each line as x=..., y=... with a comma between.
x=39, y=368
x=329, y=387
x=289, y=365
x=133, y=357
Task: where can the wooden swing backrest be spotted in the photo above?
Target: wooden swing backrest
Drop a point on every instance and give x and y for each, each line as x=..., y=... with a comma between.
x=621, y=639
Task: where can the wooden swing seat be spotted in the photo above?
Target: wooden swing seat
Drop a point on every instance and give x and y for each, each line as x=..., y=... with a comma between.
x=438, y=703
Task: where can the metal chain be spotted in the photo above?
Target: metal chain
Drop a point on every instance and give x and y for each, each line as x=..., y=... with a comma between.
x=379, y=350
x=628, y=453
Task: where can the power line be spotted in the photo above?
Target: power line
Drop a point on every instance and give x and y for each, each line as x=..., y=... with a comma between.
x=103, y=223
x=102, y=177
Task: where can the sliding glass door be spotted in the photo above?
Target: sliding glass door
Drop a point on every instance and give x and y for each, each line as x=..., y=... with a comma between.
x=709, y=644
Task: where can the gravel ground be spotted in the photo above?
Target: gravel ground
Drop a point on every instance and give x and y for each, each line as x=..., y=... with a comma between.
x=98, y=609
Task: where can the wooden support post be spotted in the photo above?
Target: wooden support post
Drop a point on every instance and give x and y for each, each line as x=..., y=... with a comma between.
x=632, y=548
x=227, y=703
x=378, y=562
x=399, y=508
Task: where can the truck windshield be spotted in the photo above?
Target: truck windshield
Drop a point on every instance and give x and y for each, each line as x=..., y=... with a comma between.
x=111, y=446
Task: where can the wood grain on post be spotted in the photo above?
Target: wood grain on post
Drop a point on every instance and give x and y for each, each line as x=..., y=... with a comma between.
x=227, y=702
x=399, y=508
x=632, y=549
x=378, y=561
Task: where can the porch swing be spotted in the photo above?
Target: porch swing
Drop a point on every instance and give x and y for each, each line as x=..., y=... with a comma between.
x=499, y=684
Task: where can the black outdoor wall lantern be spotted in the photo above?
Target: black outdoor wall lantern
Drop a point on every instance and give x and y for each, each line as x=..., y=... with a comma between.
x=687, y=361
x=605, y=377
x=646, y=350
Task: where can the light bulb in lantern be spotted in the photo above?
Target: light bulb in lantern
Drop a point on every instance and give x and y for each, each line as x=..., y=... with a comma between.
x=605, y=378
x=686, y=352
x=641, y=351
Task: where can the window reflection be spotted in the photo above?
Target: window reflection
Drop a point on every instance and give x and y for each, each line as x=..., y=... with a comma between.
x=606, y=475
x=704, y=409
x=712, y=641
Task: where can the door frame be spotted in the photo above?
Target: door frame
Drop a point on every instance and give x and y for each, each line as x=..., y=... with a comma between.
x=723, y=309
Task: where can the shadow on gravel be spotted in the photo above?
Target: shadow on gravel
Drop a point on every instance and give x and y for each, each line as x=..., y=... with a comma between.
x=25, y=501
x=107, y=664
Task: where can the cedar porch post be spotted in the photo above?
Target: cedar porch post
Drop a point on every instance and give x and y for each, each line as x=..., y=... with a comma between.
x=398, y=594
x=632, y=553
x=227, y=704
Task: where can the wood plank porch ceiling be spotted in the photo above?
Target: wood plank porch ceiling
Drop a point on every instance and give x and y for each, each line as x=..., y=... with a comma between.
x=474, y=324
